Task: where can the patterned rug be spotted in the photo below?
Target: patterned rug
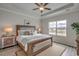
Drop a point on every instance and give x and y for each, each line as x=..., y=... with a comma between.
x=55, y=50
x=9, y=51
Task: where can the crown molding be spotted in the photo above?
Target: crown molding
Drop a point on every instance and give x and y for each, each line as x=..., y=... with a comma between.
x=61, y=14
x=18, y=13
x=59, y=9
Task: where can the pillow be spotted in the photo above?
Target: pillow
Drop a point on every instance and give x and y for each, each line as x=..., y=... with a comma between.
x=35, y=32
x=25, y=32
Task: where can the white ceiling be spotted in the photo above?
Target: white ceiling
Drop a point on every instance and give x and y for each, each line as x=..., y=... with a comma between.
x=26, y=8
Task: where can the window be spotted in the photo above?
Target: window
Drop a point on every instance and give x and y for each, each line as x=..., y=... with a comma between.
x=52, y=28
x=57, y=28
x=61, y=28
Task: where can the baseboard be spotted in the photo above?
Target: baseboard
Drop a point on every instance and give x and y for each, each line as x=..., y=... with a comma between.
x=64, y=44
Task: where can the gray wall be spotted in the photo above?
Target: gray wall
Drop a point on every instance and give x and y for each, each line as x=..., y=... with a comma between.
x=12, y=19
x=71, y=36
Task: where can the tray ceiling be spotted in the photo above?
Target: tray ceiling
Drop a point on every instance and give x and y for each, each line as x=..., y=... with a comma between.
x=26, y=8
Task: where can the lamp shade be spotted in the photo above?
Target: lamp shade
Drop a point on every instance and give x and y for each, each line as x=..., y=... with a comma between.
x=8, y=29
x=39, y=29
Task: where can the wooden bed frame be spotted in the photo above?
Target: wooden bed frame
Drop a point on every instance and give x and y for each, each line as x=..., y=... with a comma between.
x=31, y=45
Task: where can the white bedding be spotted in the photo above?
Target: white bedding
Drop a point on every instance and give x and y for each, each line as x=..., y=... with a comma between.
x=26, y=39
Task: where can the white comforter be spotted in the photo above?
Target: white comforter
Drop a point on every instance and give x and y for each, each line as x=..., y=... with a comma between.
x=26, y=39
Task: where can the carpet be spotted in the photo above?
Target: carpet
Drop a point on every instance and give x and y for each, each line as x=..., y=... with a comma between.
x=55, y=50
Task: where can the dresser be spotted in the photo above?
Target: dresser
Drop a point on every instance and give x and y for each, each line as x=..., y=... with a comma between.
x=7, y=41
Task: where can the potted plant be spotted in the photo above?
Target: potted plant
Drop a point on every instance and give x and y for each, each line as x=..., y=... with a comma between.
x=75, y=26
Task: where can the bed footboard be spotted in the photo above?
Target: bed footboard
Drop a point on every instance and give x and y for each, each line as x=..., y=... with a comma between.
x=31, y=46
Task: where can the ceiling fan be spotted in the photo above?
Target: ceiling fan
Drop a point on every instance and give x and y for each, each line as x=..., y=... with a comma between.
x=42, y=7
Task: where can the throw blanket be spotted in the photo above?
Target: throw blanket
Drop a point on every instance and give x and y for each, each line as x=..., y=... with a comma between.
x=27, y=39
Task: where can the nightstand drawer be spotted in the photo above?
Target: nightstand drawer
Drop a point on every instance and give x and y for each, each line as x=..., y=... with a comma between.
x=8, y=41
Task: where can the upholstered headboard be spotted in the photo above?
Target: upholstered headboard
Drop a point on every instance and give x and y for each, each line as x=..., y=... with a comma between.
x=24, y=27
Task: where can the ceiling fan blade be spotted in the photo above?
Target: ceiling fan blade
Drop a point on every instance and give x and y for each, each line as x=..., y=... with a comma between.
x=47, y=8
x=35, y=8
x=37, y=4
x=41, y=3
x=45, y=4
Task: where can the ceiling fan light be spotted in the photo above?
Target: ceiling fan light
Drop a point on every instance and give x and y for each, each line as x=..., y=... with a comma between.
x=41, y=8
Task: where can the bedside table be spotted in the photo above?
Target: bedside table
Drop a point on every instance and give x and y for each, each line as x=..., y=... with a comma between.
x=6, y=41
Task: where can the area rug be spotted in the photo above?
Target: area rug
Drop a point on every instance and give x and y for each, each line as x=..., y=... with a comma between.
x=9, y=51
x=55, y=50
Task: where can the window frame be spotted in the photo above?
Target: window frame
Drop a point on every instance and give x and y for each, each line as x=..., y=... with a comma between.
x=56, y=31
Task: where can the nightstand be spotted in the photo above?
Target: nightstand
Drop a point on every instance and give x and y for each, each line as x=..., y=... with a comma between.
x=6, y=41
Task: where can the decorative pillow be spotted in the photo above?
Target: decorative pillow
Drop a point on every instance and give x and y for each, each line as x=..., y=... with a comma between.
x=26, y=33
x=35, y=32
x=20, y=32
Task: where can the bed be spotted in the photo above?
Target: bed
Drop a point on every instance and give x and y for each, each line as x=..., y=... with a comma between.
x=34, y=43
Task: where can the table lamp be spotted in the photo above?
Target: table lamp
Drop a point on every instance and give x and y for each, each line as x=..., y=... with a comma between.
x=8, y=30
